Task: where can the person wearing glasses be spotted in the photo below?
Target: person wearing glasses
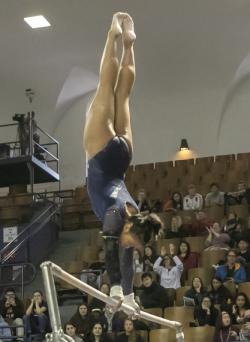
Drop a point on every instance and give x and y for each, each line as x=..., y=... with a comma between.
x=171, y=271
x=12, y=307
x=231, y=271
x=206, y=313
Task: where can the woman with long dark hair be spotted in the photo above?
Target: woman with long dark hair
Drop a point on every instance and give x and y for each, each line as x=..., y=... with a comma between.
x=130, y=334
x=149, y=258
x=82, y=320
x=109, y=150
x=185, y=255
x=175, y=204
x=70, y=330
x=241, y=305
x=224, y=330
x=197, y=291
x=97, y=303
x=97, y=334
x=220, y=294
x=138, y=264
x=206, y=313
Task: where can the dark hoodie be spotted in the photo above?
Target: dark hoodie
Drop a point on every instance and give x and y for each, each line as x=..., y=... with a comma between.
x=222, y=296
x=203, y=318
x=13, y=312
x=154, y=296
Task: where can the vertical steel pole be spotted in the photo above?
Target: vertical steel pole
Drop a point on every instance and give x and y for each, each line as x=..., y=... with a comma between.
x=51, y=297
x=22, y=284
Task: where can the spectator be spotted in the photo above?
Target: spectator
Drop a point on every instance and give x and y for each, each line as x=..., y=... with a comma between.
x=236, y=198
x=4, y=331
x=206, y=313
x=175, y=204
x=170, y=274
x=245, y=329
x=12, y=307
x=241, y=305
x=177, y=230
x=198, y=228
x=130, y=334
x=149, y=258
x=220, y=294
x=97, y=303
x=112, y=322
x=216, y=240
x=231, y=271
x=142, y=202
x=197, y=291
x=224, y=330
x=24, y=131
x=37, y=317
x=188, y=258
x=231, y=226
x=97, y=334
x=244, y=250
x=215, y=197
x=82, y=320
x=99, y=265
x=153, y=295
x=138, y=264
x=193, y=200
x=70, y=330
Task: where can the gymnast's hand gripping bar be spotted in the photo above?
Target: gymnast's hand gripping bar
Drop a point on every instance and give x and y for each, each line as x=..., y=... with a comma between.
x=49, y=269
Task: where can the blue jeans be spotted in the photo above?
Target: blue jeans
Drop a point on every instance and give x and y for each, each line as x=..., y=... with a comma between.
x=37, y=324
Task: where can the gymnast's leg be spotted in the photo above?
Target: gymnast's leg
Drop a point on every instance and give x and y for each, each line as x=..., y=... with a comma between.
x=99, y=125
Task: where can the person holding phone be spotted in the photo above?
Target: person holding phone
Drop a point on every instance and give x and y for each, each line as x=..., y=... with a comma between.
x=238, y=310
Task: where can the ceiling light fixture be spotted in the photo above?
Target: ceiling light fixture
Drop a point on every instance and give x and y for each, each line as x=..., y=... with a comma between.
x=184, y=145
x=37, y=21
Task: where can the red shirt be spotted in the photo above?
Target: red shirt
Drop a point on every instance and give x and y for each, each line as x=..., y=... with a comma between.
x=190, y=262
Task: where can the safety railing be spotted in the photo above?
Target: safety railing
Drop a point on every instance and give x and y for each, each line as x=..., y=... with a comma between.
x=25, y=274
x=49, y=270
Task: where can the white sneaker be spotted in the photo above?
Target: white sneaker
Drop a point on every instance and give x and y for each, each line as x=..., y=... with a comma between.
x=129, y=300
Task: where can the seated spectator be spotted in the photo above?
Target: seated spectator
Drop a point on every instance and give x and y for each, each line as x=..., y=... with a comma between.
x=12, y=307
x=97, y=303
x=149, y=258
x=37, y=317
x=112, y=322
x=215, y=197
x=138, y=264
x=99, y=265
x=241, y=305
x=70, y=330
x=206, y=313
x=97, y=334
x=220, y=294
x=130, y=334
x=224, y=330
x=170, y=274
x=142, y=202
x=193, y=200
x=188, y=258
x=82, y=320
x=231, y=271
x=153, y=294
x=216, y=240
x=177, y=230
x=175, y=204
x=198, y=228
x=236, y=198
x=197, y=291
x=244, y=250
x=245, y=329
x=4, y=330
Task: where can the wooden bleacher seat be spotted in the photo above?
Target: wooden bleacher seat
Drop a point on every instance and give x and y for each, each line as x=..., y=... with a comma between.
x=243, y=156
x=208, y=178
x=154, y=311
x=197, y=243
x=162, y=335
x=215, y=212
x=111, y=336
x=185, y=162
x=204, y=160
x=182, y=314
x=219, y=168
x=179, y=295
x=209, y=258
x=166, y=242
x=137, y=278
x=96, y=238
x=239, y=165
x=9, y=321
x=166, y=218
x=26, y=303
x=86, y=253
x=204, y=334
x=171, y=296
x=72, y=267
x=184, y=277
x=143, y=167
x=241, y=211
x=206, y=275
x=244, y=287
x=225, y=158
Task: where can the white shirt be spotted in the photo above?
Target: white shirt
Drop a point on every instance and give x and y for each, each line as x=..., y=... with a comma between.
x=194, y=203
x=169, y=278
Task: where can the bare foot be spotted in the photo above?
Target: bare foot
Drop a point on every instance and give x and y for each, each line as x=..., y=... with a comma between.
x=128, y=33
x=116, y=25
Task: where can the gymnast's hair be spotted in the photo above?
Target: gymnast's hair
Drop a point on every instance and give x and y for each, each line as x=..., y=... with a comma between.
x=145, y=225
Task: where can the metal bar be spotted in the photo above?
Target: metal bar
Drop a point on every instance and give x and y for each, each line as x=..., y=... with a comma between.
x=46, y=151
x=47, y=134
x=58, y=272
x=27, y=283
x=9, y=125
x=22, y=283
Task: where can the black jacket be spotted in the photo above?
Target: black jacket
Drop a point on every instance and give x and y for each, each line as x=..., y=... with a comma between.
x=154, y=296
x=203, y=318
x=14, y=312
x=124, y=338
x=117, y=323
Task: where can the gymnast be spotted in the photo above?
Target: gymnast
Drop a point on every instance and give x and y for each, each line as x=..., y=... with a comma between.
x=109, y=150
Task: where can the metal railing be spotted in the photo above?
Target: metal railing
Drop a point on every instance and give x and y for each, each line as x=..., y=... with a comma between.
x=49, y=270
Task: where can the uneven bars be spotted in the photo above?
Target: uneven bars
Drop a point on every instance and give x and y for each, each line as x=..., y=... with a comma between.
x=49, y=269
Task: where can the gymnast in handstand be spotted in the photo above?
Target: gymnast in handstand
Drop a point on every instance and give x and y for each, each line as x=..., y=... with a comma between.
x=109, y=149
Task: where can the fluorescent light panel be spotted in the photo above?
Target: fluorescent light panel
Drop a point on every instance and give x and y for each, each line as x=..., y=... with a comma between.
x=37, y=21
